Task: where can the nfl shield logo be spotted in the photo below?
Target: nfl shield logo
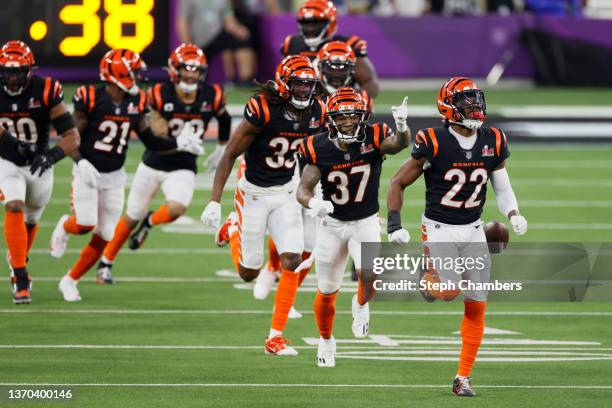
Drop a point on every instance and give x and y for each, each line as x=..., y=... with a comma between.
x=296, y=126
x=14, y=107
x=468, y=155
x=117, y=111
x=347, y=156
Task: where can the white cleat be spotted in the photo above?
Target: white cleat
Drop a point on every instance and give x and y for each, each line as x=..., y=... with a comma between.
x=59, y=239
x=277, y=346
x=326, y=352
x=361, y=318
x=68, y=287
x=264, y=284
x=294, y=314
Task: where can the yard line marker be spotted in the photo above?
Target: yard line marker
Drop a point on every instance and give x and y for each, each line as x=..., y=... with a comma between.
x=267, y=312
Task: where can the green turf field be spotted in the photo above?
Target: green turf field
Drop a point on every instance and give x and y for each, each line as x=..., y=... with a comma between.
x=178, y=331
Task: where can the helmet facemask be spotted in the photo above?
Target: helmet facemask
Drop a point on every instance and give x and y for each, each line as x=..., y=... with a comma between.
x=471, y=107
x=348, y=126
x=301, y=92
x=15, y=79
x=189, y=83
x=336, y=74
x=314, y=31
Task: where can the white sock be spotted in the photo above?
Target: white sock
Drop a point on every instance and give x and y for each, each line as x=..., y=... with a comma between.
x=106, y=260
x=274, y=333
x=460, y=376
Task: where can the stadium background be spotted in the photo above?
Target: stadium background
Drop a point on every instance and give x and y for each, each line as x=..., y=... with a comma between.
x=179, y=328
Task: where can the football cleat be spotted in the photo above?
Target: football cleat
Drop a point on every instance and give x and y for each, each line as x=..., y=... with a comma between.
x=462, y=387
x=21, y=288
x=277, y=346
x=142, y=232
x=103, y=274
x=59, y=238
x=222, y=237
x=68, y=287
x=264, y=283
x=361, y=318
x=326, y=352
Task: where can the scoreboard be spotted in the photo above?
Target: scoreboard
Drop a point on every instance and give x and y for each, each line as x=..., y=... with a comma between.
x=76, y=33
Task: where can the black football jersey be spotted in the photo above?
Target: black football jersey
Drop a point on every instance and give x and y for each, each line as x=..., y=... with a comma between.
x=455, y=178
x=350, y=179
x=163, y=99
x=271, y=158
x=105, y=139
x=295, y=45
x=26, y=115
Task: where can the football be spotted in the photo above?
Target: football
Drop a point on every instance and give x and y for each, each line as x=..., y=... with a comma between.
x=497, y=236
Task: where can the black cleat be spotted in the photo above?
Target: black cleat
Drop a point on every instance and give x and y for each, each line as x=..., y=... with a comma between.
x=462, y=387
x=21, y=286
x=140, y=235
x=103, y=274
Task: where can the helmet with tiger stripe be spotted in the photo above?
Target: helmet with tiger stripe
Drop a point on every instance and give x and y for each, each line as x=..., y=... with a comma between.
x=296, y=81
x=462, y=102
x=191, y=58
x=336, y=63
x=317, y=21
x=347, y=114
x=122, y=67
x=16, y=66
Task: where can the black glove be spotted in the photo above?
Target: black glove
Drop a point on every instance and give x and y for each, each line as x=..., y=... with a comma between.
x=27, y=150
x=45, y=160
x=24, y=149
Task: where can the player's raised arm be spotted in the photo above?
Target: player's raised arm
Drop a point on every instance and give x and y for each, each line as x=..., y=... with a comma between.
x=407, y=174
x=506, y=199
x=401, y=139
x=239, y=142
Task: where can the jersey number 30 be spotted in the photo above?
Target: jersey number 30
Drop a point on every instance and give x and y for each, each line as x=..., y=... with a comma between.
x=478, y=176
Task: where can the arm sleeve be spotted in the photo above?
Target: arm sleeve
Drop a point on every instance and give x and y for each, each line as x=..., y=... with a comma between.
x=225, y=126
x=56, y=94
x=306, y=153
x=506, y=200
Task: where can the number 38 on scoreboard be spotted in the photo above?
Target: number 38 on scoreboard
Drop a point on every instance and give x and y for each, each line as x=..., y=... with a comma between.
x=118, y=14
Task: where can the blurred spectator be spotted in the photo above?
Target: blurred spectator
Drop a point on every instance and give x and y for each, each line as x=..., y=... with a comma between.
x=211, y=24
x=456, y=7
x=555, y=7
x=503, y=7
x=244, y=58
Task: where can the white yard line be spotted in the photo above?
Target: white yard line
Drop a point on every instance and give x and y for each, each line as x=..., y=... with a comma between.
x=296, y=385
x=267, y=312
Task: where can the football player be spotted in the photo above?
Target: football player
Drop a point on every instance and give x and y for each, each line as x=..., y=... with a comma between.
x=336, y=68
x=185, y=100
x=29, y=105
x=457, y=160
x=105, y=116
x=275, y=122
x=317, y=24
x=347, y=160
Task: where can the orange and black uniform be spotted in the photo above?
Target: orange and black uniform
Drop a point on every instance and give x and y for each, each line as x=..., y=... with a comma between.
x=295, y=45
x=350, y=179
x=27, y=115
x=209, y=103
x=270, y=159
x=455, y=178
